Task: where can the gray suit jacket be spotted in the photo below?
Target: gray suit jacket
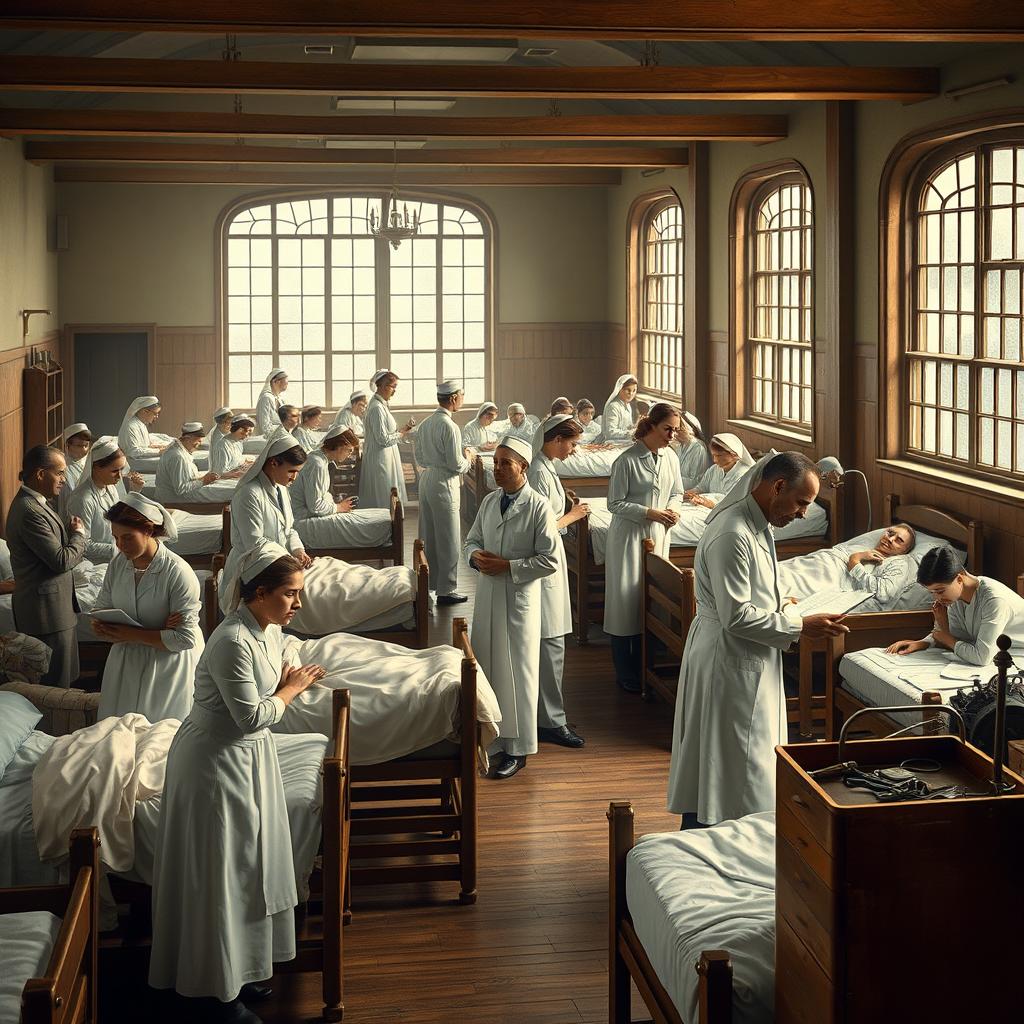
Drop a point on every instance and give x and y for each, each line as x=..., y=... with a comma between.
x=43, y=553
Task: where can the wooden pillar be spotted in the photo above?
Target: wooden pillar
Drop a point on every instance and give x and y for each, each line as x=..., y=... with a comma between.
x=697, y=384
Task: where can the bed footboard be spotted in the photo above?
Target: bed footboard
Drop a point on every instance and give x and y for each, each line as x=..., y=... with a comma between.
x=393, y=551
x=669, y=606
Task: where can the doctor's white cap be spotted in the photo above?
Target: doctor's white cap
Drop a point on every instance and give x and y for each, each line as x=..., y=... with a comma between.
x=449, y=387
x=192, y=427
x=516, y=444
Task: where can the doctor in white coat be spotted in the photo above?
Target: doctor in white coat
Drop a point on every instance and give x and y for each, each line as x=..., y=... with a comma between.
x=555, y=439
x=382, y=462
x=440, y=453
x=645, y=497
x=133, y=437
x=513, y=545
x=270, y=401
x=177, y=478
x=620, y=413
x=150, y=670
x=224, y=876
x=730, y=706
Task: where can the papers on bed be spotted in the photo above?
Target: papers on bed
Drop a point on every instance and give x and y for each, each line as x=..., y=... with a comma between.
x=115, y=616
x=831, y=602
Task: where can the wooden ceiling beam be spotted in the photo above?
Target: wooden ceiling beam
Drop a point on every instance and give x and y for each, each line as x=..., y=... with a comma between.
x=450, y=178
x=74, y=74
x=824, y=20
x=598, y=128
x=231, y=153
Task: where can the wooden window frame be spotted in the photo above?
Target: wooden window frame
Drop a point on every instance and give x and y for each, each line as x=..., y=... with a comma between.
x=383, y=313
x=910, y=165
x=749, y=191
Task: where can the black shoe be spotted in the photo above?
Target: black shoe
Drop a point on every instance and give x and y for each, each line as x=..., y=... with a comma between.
x=235, y=1012
x=563, y=736
x=630, y=685
x=253, y=993
x=509, y=766
x=452, y=599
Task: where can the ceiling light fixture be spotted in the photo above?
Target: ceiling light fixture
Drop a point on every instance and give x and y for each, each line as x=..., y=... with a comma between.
x=318, y=49
x=539, y=51
x=970, y=90
x=394, y=226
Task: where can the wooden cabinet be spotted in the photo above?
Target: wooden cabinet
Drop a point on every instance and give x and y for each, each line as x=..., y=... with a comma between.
x=896, y=912
x=44, y=404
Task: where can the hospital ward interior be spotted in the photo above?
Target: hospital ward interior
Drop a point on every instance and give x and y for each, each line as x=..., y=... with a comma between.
x=511, y=513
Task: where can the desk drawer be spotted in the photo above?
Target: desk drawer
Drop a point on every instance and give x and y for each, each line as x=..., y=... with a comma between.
x=803, y=994
x=791, y=829
x=805, y=805
x=807, y=906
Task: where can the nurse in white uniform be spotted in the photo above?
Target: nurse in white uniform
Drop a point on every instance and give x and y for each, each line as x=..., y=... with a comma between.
x=270, y=401
x=77, y=442
x=443, y=458
x=730, y=463
x=350, y=415
x=222, y=418
x=620, y=414
x=322, y=522
x=308, y=432
x=480, y=432
x=513, y=544
x=177, y=478
x=645, y=497
x=730, y=707
x=382, y=462
x=223, y=876
x=133, y=437
x=561, y=406
x=520, y=422
x=970, y=611
x=100, y=488
x=694, y=458
x=150, y=670
x=586, y=418
x=555, y=439
x=228, y=459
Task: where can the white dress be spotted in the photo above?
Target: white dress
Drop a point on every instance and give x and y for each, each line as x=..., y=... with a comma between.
x=72, y=475
x=347, y=418
x=178, y=480
x=309, y=439
x=439, y=451
x=382, y=462
x=267, y=420
x=995, y=609
x=715, y=480
x=640, y=479
x=256, y=513
x=227, y=456
x=618, y=420
x=730, y=707
x=318, y=522
x=694, y=459
x=89, y=503
x=476, y=435
x=135, y=442
x=137, y=677
x=591, y=431
x=556, y=611
x=506, y=631
x=223, y=810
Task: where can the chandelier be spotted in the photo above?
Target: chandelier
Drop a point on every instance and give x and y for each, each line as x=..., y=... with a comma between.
x=394, y=226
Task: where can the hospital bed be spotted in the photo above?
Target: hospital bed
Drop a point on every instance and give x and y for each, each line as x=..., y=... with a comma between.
x=48, y=943
x=584, y=551
x=674, y=899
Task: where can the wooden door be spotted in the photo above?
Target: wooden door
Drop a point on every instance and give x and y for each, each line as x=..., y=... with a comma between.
x=111, y=369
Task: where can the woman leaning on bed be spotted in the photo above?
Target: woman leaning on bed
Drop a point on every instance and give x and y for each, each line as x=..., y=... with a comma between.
x=970, y=611
x=224, y=876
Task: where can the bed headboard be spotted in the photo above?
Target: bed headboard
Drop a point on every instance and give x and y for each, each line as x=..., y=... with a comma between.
x=832, y=497
x=964, y=533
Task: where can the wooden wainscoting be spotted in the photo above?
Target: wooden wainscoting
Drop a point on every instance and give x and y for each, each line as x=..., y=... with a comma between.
x=534, y=363
x=186, y=375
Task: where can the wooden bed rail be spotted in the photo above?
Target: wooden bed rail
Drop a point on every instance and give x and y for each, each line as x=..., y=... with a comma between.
x=470, y=728
x=669, y=605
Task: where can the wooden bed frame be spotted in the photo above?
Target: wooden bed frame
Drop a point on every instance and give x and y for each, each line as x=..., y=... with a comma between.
x=669, y=602
x=415, y=638
x=627, y=959
x=586, y=577
x=878, y=629
x=66, y=993
x=415, y=819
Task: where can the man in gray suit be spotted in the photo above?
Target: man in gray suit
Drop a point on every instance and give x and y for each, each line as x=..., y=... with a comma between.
x=43, y=554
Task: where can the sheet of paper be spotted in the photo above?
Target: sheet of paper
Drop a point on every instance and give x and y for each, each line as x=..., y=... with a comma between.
x=115, y=616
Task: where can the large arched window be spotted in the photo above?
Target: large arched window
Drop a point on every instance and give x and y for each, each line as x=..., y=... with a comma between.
x=307, y=287
x=963, y=370
x=660, y=334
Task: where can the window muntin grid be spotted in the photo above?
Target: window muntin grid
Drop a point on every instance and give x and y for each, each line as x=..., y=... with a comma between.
x=780, y=325
x=308, y=288
x=964, y=373
x=661, y=301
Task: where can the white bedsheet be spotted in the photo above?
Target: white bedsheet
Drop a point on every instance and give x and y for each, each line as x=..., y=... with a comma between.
x=590, y=463
x=709, y=889
x=197, y=535
x=26, y=942
x=88, y=580
x=360, y=528
x=19, y=858
x=402, y=700
x=148, y=465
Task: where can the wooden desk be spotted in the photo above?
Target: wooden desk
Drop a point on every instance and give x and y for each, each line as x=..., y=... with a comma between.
x=1016, y=759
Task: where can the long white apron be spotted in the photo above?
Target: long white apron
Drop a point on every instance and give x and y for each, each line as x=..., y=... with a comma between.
x=640, y=479
x=382, y=461
x=730, y=706
x=137, y=677
x=506, y=631
x=224, y=874
x=556, y=609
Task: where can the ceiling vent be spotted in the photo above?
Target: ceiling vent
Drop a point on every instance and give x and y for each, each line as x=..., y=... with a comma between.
x=441, y=51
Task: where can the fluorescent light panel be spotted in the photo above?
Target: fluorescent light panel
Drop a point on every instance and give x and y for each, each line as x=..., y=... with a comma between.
x=381, y=144
x=442, y=51
x=380, y=103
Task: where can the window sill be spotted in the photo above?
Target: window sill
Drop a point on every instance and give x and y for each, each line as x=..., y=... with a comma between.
x=757, y=426
x=957, y=481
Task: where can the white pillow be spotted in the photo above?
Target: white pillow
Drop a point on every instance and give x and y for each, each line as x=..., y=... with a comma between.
x=925, y=542
x=6, y=572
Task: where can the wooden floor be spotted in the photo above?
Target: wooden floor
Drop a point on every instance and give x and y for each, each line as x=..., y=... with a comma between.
x=533, y=948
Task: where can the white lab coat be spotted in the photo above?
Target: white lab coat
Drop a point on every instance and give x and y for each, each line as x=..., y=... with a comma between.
x=226, y=455
x=439, y=451
x=135, y=442
x=995, y=609
x=267, y=420
x=640, y=479
x=382, y=462
x=730, y=707
x=476, y=435
x=318, y=522
x=177, y=478
x=618, y=421
x=347, y=418
x=255, y=514
x=694, y=459
x=223, y=809
x=309, y=439
x=506, y=632
x=72, y=475
x=556, y=611
x=89, y=503
x=715, y=480
x=139, y=678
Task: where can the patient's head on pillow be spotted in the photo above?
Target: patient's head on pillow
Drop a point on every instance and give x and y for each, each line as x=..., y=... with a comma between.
x=942, y=574
x=896, y=540
x=274, y=595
